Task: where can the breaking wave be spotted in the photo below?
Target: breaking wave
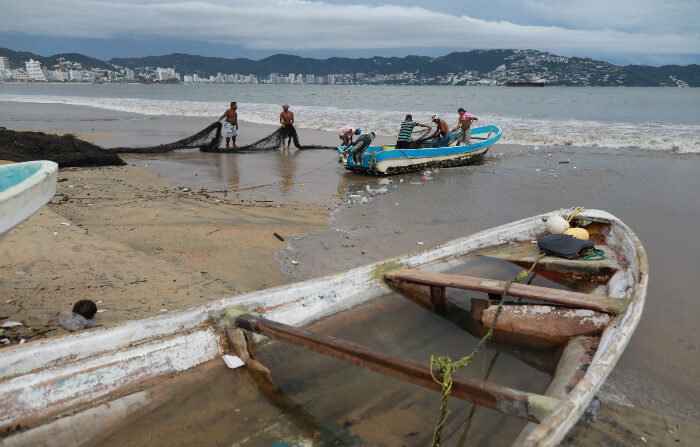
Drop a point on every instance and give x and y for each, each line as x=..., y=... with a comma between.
x=527, y=130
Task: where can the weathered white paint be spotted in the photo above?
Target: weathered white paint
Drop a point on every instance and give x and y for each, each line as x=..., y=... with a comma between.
x=19, y=202
x=32, y=396
x=96, y=363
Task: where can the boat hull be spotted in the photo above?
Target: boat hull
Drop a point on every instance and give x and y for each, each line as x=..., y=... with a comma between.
x=388, y=160
x=53, y=376
x=24, y=189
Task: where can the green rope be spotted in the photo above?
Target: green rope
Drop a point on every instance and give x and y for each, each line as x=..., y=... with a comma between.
x=445, y=366
x=593, y=254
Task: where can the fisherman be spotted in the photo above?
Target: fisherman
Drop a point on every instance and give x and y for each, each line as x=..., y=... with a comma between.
x=231, y=124
x=404, y=139
x=465, y=123
x=287, y=121
x=356, y=149
x=345, y=134
x=442, y=132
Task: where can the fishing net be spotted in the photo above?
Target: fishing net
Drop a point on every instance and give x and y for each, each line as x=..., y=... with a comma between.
x=210, y=138
x=206, y=140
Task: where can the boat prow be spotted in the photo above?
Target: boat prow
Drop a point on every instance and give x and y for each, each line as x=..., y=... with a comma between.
x=24, y=189
x=387, y=160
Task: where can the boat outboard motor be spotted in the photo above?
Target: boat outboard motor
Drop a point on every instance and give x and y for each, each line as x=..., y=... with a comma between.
x=362, y=143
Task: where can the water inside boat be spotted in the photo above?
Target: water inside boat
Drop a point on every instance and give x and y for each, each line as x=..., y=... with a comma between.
x=326, y=402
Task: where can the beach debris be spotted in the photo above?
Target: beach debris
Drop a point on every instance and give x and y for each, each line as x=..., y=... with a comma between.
x=55, y=233
x=294, y=262
x=396, y=204
x=10, y=324
x=19, y=272
x=564, y=162
x=278, y=237
x=420, y=243
x=415, y=183
x=65, y=224
x=4, y=341
x=427, y=176
x=536, y=148
x=401, y=181
x=374, y=192
x=21, y=341
x=385, y=181
x=86, y=308
x=74, y=322
x=364, y=200
x=163, y=310
x=232, y=361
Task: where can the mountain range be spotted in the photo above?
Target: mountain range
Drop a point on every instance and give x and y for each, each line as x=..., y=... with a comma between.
x=489, y=64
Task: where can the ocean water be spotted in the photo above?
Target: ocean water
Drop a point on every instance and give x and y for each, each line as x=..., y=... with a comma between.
x=664, y=119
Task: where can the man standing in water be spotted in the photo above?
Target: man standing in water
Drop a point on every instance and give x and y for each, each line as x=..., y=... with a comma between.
x=465, y=122
x=287, y=121
x=231, y=124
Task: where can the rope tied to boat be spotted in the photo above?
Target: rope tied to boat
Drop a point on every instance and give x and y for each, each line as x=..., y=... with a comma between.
x=444, y=366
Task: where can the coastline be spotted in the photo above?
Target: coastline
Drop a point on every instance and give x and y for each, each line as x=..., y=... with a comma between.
x=126, y=233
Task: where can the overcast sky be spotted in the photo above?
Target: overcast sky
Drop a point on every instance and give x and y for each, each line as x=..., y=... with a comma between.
x=621, y=31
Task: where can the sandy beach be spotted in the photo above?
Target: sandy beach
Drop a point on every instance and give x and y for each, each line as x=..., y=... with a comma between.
x=152, y=237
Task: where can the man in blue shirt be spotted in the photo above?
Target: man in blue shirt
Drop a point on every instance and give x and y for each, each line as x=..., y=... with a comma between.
x=405, y=132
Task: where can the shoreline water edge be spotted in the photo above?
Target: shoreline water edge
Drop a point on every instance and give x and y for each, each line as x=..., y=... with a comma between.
x=189, y=247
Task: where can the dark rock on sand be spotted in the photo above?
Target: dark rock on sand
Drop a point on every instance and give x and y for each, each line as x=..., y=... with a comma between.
x=66, y=150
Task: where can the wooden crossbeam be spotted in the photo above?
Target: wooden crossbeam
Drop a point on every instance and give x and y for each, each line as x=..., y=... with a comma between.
x=575, y=299
x=530, y=406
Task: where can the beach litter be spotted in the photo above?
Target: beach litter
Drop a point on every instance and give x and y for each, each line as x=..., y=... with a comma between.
x=420, y=243
x=385, y=181
x=232, y=361
x=65, y=223
x=74, y=322
x=10, y=324
x=294, y=262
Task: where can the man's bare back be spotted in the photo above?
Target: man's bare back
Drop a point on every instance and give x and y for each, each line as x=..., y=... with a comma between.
x=287, y=117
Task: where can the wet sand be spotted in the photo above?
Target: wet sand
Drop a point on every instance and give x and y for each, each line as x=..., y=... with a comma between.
x=652, y=192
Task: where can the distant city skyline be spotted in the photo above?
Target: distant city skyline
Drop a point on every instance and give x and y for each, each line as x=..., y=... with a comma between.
x=621, y=32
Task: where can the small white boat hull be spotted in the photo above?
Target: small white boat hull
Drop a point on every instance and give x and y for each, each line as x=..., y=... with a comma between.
x=24, y=189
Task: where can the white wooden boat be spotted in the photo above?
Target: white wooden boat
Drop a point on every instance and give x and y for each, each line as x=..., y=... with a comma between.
x=24, y=188
x=95, y=377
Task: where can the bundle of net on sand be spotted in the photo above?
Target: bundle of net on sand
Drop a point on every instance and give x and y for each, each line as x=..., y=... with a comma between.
x=210, y=138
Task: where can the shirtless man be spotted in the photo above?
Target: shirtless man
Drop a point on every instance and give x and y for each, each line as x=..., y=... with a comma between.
x=441, y=132
x=465, y=122
x=287, y=122
x=231, y=124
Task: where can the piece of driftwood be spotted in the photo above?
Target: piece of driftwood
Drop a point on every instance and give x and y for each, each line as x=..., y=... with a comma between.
x=530, y=406
x=574, y=299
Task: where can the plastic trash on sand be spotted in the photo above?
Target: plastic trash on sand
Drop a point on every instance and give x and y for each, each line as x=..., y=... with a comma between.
x=11, y=324
x=74, y=322
x=232, y=361
x=385, y=181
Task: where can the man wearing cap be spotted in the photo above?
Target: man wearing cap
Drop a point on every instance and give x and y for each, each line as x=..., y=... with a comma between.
x=441, y=131
x=287, y=131
x=345, y=134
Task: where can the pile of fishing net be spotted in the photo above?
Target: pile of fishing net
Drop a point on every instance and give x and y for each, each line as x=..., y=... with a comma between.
x=66, y=150
x=210, y=138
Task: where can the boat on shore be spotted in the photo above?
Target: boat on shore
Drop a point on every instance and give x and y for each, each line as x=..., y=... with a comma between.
x=387, y=160
x=94, y=379
x=24, y=189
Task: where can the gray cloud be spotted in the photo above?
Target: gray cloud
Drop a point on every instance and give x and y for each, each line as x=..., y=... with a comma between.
x=308, y=25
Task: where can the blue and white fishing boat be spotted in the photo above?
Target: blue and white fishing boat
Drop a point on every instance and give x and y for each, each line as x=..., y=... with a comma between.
x=24, y=188
x=386, y=160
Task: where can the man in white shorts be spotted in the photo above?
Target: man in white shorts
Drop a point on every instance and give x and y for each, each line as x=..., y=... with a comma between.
x=231, y=124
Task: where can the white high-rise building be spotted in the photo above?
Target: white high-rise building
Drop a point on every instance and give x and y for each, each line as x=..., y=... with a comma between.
x=331, y=79
x=128, y=74
x=34, y=70
x=4, y=63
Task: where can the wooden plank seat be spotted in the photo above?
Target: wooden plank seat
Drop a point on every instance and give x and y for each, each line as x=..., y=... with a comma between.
x=565, y=297
x=526, y=253
x=531, y=406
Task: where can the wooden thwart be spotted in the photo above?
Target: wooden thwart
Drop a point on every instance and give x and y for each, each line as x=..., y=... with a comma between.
x=533, y=407
x=575, y=299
